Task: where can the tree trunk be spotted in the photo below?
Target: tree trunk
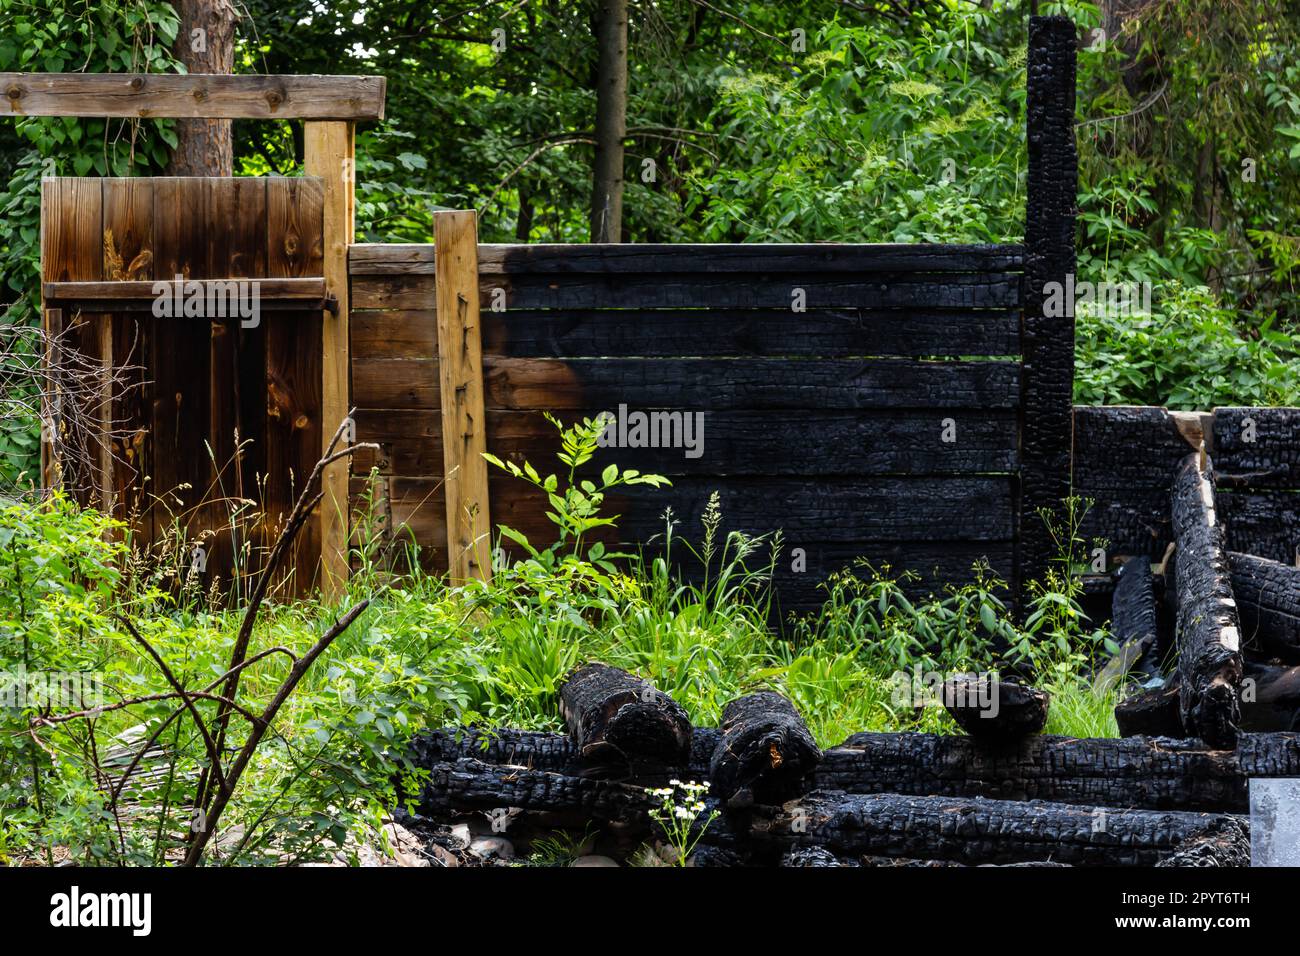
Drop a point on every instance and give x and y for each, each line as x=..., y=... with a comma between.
x=610, y=29
x=1268, y=599
x=205, y=44
x=619, y=720
x=765, y=749
x=1209, y=655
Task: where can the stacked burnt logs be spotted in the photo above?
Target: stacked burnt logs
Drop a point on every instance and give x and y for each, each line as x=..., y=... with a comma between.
x=997, y=796
x=1235, y=624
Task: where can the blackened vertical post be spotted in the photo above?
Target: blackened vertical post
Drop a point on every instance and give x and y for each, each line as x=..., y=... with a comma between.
x=1047, y=341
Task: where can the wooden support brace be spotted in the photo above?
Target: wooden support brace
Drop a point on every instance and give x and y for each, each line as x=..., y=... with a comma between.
x=460, y=367
x=328, y=149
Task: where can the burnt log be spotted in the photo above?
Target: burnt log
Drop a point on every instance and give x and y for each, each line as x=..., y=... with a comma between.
x=1208, y=635
x=1268, y=601
x=975, y=831
x=1154, y=774
x=765, y=749
x=1225, y=842
x=1270, y=698
x=618, y=719
x=993, y=710
x=470, y=784
x=1133, y=623
x=962, y=830
x=1152, y=713
x=1157, y=774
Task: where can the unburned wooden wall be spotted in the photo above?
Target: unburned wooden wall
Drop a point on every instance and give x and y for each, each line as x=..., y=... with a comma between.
x=827, y=423
x=188, y=384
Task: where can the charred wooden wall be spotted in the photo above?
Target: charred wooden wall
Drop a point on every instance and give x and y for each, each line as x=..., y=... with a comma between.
x=863, y=399
x=1125, y=458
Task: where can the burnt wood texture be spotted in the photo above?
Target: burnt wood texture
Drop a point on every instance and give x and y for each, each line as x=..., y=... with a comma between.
x=1154, y=773
x=1209, y=638
x=971, y=830
x=1047, y=376
x=995, y=710
x=765, y=749
x=1268, y=602
x=877, y=420
x=619, y=719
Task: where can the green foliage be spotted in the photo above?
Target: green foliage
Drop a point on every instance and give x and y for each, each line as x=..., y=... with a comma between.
x=53, y=36
x=577, y=503
x=1189, y=352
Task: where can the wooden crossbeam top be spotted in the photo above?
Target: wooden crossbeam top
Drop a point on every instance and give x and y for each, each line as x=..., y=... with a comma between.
x=193, y=96
x=305, y=293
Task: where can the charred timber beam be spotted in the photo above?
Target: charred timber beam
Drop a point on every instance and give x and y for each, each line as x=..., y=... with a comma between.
x=1268, y=600
x=1047, y=333
x=1209, y=639
x=978, y=831
x=1152, y=773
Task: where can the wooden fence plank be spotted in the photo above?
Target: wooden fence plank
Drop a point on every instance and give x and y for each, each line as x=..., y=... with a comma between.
x=693, y=384
x=129, y=255
x=72, y=218
x=461, y=381
x=295, y=247
x=822, y=333
x=329, y=153
x=791, y=292
x=235, y=221
x=180, y=361
x=196, y=95
x=570, y=258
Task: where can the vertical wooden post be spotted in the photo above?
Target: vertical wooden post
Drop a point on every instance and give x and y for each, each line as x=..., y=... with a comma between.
x=1047, y=376
x=329, y=152
x=460, y=378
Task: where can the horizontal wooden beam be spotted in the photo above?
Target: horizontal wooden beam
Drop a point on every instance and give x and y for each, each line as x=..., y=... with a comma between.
x=193, y=96
x=654, y=258
x=138, y=294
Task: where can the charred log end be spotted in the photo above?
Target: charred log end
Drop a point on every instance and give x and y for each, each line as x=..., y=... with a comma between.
x=616, y=718
x=1154, y=713
x=995, y=711
x=651, y=733
x=765, y=752
x=1216, y=714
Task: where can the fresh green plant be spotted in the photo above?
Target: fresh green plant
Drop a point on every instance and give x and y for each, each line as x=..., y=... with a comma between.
x=576, y=504
x=681, y=816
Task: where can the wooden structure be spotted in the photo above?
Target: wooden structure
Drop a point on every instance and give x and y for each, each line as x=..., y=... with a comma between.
x=219, y=401
x=904, y=404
